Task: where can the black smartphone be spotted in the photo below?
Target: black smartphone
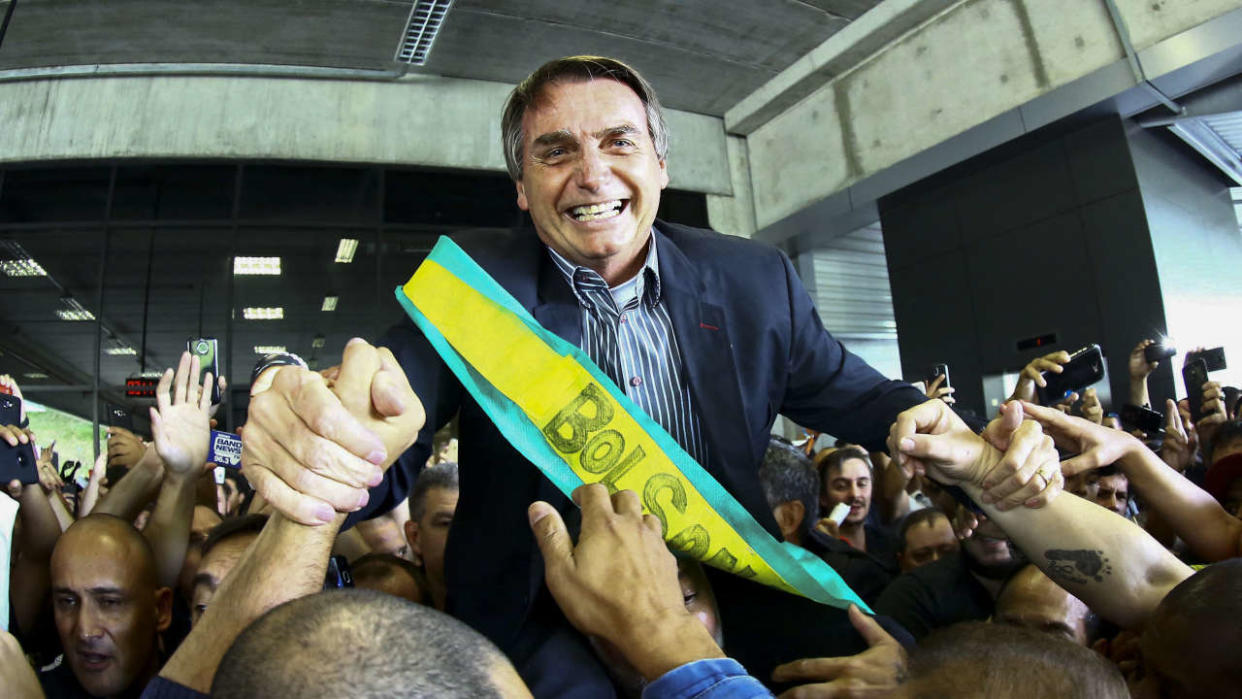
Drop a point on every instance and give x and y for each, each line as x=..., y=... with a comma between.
x=16, y=463
x=1158, y=352
x=937, y=371
x=1085, y=367
x=208, y=360
x=1195, y=374
x=1140, y=418
x=1214, y=358
x=339, y=574
x=120, y=417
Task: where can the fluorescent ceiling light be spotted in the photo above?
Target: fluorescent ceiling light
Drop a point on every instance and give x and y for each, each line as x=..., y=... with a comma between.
x=269, y=349
x=345, y=250
x=317, y=343
x=22, y=268
x=256, y=266
x=329, y=303
x=122, y=351
x=35, y=375
x=263, y=313
x=73, y=310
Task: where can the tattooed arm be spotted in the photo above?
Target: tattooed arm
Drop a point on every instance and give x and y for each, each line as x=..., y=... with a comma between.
x=1106, y=561
x=1109, y=563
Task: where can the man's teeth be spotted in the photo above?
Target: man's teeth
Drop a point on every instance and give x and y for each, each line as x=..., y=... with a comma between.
x=594, y=212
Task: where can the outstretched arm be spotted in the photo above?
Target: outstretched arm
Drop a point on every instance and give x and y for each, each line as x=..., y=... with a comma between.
x=1104, y=560
x=1192, y=513
x=181, y=431
x=289, y=559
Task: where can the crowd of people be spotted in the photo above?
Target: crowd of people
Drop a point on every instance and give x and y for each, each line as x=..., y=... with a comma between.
x=365, y=549
x=160, y=578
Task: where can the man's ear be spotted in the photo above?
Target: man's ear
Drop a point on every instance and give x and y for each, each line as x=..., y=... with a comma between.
x=522, y=203
x=163, y=608
x=789, y=516
x=663, y=174
x=411, y=537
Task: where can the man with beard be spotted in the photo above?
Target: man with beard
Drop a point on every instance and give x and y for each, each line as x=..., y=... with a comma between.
x=846, y=478
x=958, y=587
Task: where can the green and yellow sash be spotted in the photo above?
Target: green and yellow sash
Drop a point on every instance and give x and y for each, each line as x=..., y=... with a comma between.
x=568, y=418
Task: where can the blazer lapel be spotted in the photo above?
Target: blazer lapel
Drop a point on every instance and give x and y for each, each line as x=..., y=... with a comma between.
x=702, y=331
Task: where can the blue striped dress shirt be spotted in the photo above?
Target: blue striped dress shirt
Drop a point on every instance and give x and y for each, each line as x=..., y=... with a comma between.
x=626, y=331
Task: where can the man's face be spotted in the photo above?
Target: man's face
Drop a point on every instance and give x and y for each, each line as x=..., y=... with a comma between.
x=429, y=535
x=1112, y=492
x=586, y=144
x=218, y=563
x=989, y=547
x=1033, y=601
x=926, y=543
x=699, y=598
x=852, y=486
x=107, y=616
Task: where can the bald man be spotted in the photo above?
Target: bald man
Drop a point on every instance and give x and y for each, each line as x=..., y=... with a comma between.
x=1030, y=599
x=109, y=610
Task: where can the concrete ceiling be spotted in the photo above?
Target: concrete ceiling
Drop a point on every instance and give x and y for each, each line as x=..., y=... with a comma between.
x=701, y=55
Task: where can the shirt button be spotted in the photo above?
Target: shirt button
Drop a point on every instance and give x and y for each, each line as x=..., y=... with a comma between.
x=636, y=381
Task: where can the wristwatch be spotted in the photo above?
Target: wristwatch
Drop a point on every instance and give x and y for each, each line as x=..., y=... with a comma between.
x=267, y=362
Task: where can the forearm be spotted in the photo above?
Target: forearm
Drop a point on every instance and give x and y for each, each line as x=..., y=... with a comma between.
x=168, y=530
x=1106, y=561
x=1190, y=512
x=90, y=496
x=60, y=511
x=30, y=583
x=40, y=526
x=132, y=493
x=1138, y=392
x=287, y=561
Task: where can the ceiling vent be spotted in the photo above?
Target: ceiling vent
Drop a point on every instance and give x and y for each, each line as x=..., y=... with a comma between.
x=421, y=29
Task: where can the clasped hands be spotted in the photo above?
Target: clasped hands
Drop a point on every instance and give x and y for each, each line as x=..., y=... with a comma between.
x=315, y=442
x=1012, y=462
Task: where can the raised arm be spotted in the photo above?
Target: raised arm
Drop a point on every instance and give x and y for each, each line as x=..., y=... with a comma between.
x=181, y=429
x=1191, y=512
x=29, y=581
x=1104, y=560
x=289, y=559
x=90, y=496
x=127, y=497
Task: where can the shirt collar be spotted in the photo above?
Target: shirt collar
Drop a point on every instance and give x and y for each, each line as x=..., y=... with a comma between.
x=581, y=279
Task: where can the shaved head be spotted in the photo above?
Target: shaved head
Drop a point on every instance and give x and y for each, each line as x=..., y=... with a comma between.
x=108, y=606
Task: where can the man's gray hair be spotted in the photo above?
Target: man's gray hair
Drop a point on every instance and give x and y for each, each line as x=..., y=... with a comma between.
x=442, y=475
x=575, y=69
x=788, y=475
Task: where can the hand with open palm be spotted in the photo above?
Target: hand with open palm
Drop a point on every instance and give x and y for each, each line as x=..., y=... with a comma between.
x=181, y=424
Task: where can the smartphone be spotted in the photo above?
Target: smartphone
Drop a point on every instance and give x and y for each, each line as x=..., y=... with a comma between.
x=1214, y=358
x=1158, y=352
x=1140, y=418
x=120, y=417
x=839, y=513
x=339, y=574
x=16, y=463
x=208, y=360
x=939, y=370
x=1195, y=374
x=1085, y=367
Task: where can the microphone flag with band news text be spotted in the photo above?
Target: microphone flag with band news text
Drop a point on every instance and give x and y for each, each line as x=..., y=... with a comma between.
x=564, y=414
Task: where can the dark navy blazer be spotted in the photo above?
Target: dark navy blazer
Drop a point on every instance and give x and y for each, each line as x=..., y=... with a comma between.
x=752, y=346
